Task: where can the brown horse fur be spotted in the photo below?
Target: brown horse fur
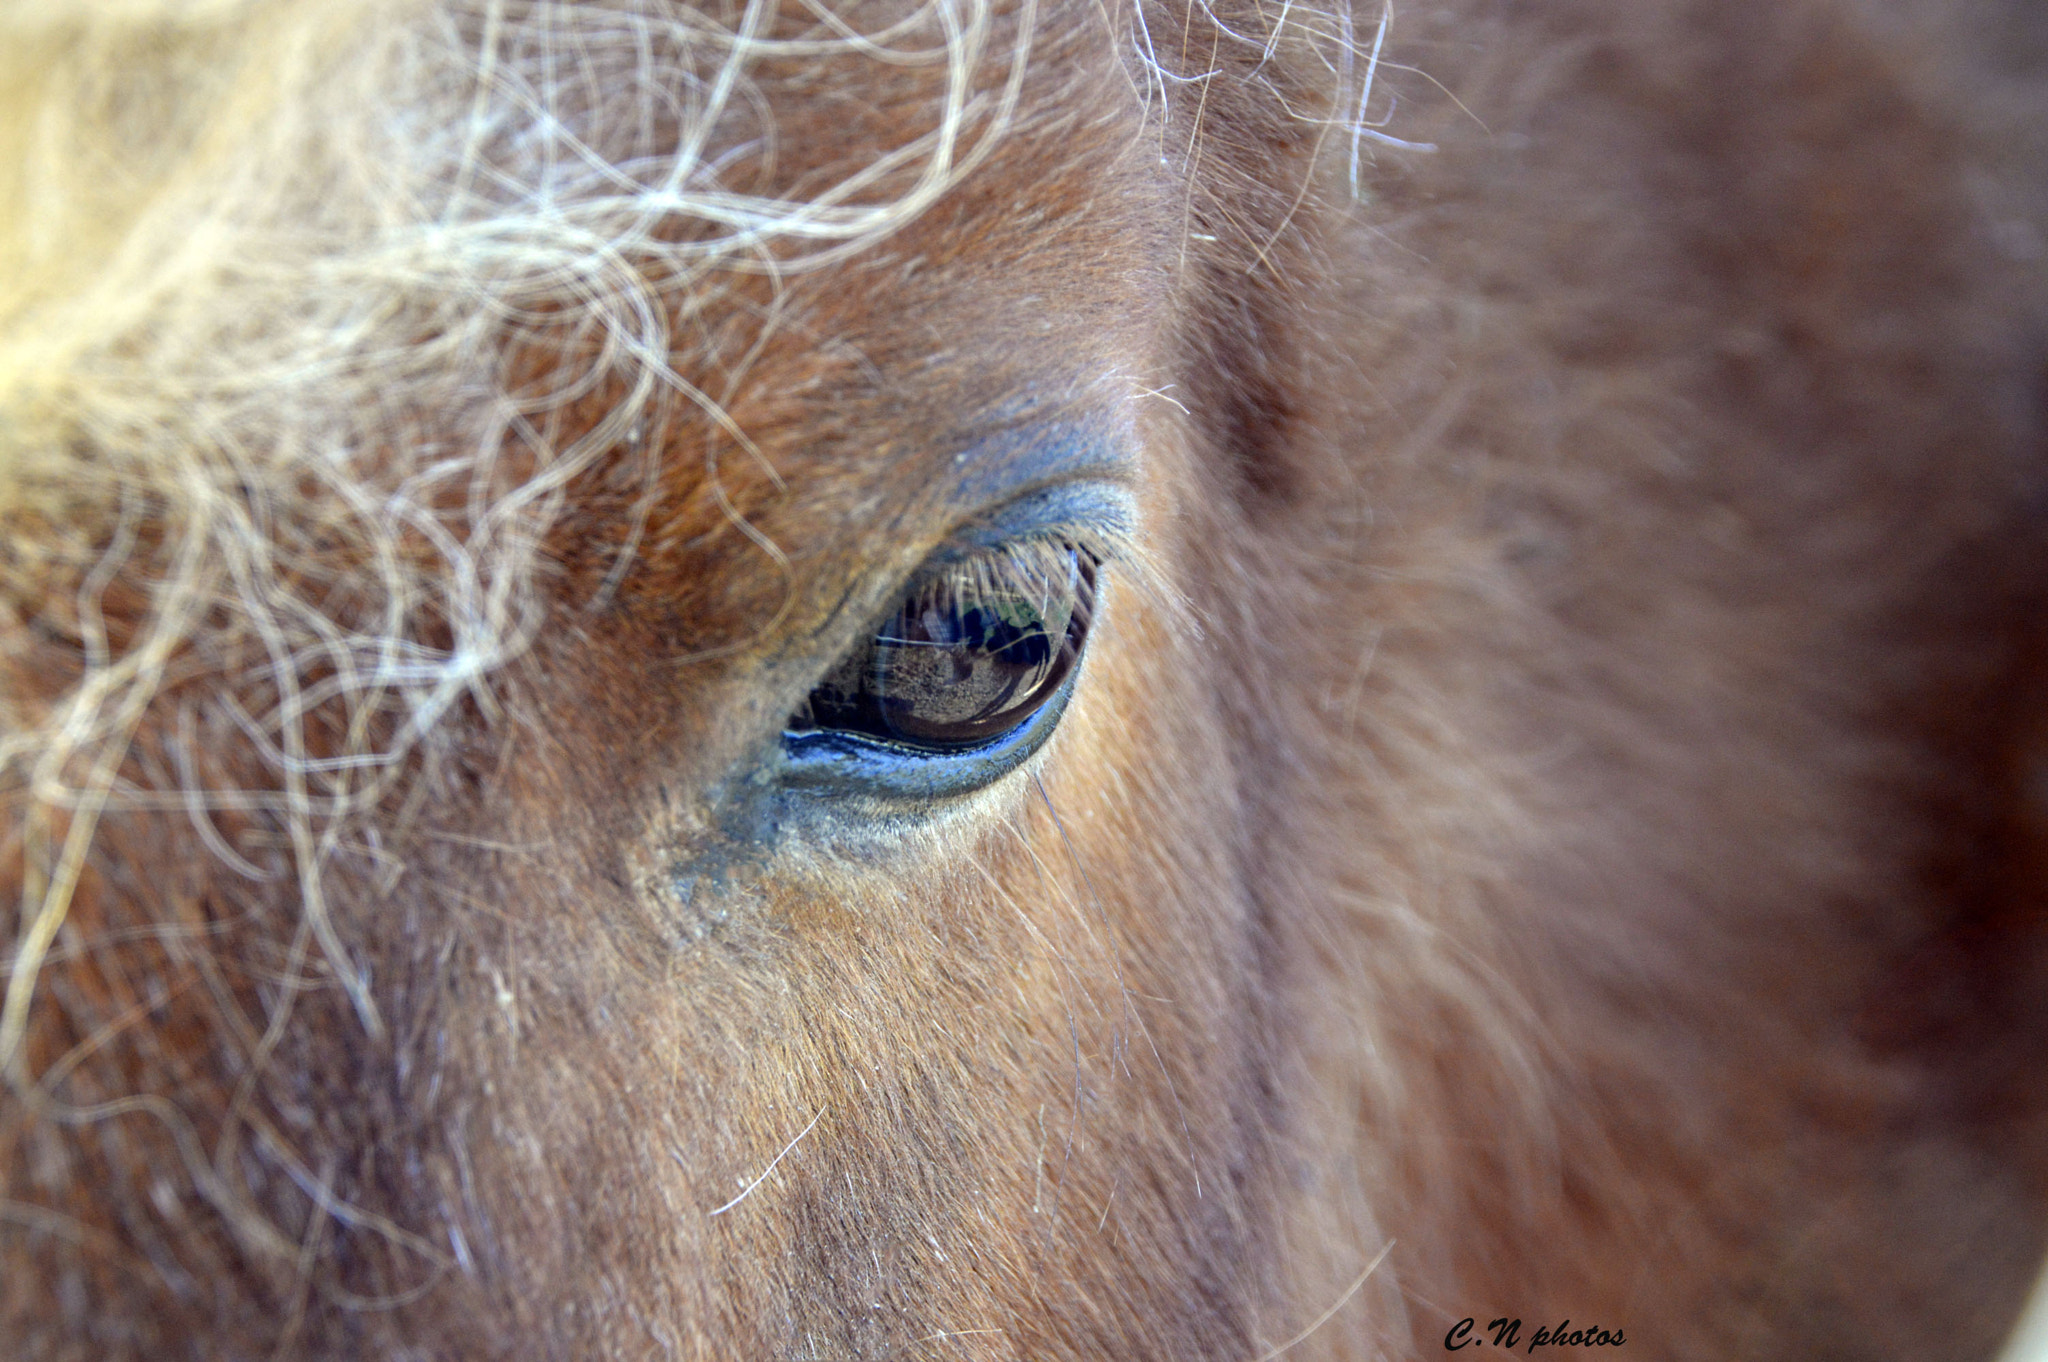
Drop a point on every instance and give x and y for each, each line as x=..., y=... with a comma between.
x=1551, y=821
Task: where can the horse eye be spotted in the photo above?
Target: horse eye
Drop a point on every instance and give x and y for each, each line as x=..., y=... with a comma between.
x=974, y=649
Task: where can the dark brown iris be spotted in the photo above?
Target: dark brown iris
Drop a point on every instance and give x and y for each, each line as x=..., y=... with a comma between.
x=973, y=650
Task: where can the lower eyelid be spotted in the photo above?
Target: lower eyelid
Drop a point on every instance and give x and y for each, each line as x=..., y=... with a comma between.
x=876, y=777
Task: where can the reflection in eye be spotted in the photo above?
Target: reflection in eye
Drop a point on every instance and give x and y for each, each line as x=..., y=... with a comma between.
x=973, y=650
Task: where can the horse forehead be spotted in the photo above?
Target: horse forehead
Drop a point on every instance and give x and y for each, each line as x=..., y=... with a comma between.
x=994, y=341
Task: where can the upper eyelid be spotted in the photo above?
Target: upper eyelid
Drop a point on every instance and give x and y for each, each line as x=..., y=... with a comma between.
x=1083, y=500
x=1100, y=520
x=1093, y=515
x=1101, y=544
